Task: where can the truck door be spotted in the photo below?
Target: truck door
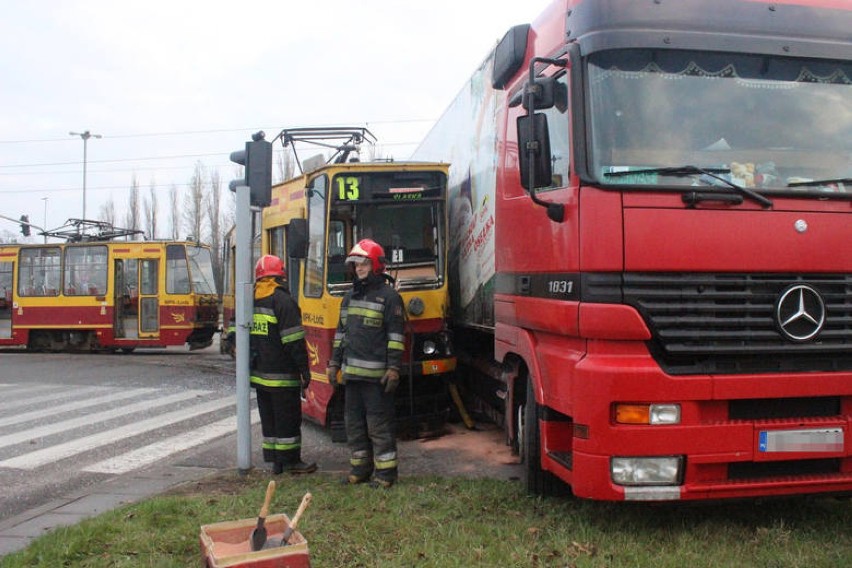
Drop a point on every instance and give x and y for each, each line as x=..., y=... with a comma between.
x=7, y=269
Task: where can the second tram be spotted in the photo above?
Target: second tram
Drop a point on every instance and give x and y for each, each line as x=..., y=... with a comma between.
x=107, y=295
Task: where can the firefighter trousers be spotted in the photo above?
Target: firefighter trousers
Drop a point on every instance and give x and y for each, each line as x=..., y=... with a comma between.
x=280, y=412
x=370, y=418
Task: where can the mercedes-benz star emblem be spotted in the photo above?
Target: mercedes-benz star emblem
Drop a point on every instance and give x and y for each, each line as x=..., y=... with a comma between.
x=800, y=313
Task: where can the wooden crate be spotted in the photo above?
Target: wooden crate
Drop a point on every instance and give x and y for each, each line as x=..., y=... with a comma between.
x=226, y=545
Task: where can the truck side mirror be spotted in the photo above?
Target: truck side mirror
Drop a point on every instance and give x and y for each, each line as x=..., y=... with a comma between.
x=544, y=90
x=297, y=238
x=534, y=153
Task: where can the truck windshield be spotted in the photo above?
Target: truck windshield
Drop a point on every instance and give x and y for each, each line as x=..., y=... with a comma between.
x=780, y=125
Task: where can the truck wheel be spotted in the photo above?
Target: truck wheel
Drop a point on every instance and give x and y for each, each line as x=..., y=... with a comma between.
x=536, y=480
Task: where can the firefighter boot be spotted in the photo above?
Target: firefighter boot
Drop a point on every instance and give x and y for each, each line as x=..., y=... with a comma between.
x=298, y=467
x=361, y=468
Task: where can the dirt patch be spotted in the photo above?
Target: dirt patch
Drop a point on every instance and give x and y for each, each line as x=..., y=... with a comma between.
x=481, y=452
x=226, y=482
x=458, y=452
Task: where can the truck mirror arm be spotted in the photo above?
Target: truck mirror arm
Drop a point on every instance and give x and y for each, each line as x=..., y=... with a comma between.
x=555, y=211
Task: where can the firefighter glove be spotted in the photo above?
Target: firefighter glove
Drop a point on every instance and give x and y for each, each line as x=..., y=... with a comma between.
x=331, y=372
x=390, y=380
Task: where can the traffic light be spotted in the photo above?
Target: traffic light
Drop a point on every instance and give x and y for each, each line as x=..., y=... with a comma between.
x=257, y=160
x=25, y=225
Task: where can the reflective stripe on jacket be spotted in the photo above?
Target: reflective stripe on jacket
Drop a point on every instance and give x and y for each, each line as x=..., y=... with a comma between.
x=279, y=353
x=370, y=334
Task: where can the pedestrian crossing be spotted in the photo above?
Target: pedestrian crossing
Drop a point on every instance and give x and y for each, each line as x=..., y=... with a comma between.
x=108, y=429
x=151, y=453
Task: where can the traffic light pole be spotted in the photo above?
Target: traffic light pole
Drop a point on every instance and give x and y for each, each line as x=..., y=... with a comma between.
x=244, y=308
x=254, y=189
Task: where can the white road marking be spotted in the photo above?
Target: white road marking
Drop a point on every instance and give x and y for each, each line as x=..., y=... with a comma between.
x=154, y=452
x=30, y=398
x=51, y=454
x=89, y=419
x=116, y=395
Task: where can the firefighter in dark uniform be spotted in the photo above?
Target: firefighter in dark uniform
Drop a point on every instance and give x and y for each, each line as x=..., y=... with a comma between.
x=368, y=348
x=279, y=367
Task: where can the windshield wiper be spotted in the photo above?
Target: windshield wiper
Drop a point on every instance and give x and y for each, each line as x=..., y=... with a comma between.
x=695, y=170
x=819, y=182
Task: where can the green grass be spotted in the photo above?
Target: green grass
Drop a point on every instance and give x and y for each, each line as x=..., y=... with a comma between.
x=430, y=521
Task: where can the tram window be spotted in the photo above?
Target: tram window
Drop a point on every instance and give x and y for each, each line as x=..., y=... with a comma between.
x=148, y=277
x=227, y=269
x=38, y=272
x=177, y=272
x=315, y=261
x=6, y=283
x=276, y=242
x=130, y=277
x=201, y=270
x=150, y=318
x=85, y=270
x=405, y=232
x=337, y=252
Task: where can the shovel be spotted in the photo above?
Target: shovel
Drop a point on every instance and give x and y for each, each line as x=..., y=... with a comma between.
x=288, y=532
x=258, y=535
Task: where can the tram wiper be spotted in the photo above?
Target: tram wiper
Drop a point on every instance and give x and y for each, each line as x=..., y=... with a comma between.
x=678, y=171
x=814, y=182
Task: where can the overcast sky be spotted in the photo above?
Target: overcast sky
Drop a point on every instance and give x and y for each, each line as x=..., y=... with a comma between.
x=168, y=84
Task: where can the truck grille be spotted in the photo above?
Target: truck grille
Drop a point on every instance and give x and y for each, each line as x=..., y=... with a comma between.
x=725, y=323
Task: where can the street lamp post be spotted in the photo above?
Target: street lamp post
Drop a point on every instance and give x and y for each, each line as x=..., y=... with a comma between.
x=85, y=136
x=44, y=227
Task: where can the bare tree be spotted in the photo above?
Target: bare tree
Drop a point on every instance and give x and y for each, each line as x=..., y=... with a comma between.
x=150, y=206
x=174, y=213
x=131, y=219
x=214, y=220
x=7, y=236
x=193, y=206
x=106, y=213
x=286, y=167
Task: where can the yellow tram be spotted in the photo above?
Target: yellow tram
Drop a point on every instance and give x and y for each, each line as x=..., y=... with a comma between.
x=97, y=293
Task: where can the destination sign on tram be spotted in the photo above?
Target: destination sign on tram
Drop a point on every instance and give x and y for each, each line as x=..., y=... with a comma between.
x=387, y=187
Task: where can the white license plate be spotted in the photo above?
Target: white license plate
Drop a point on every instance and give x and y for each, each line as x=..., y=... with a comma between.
x=811, y=440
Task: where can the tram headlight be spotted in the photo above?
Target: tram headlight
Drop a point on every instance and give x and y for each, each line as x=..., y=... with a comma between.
x=416, y=306
x=429, y=348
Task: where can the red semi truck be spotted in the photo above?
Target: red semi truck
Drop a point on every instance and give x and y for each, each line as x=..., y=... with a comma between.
x=651, y=239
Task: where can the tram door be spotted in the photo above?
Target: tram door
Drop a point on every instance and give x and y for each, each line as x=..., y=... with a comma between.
x=7, y=269
x=137, y=302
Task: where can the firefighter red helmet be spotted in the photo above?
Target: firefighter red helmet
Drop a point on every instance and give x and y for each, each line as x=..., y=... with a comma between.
x=368, y=248
x=269, y=265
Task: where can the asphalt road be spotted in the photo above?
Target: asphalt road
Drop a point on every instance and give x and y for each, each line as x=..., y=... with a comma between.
x=70, y=421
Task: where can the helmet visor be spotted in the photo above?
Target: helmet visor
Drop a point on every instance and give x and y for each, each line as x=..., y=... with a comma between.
x=355, y=259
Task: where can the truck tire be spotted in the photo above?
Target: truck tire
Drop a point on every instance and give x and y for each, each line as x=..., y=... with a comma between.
x=536, y=480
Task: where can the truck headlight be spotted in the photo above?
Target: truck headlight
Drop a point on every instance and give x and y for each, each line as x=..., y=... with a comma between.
x=654, y=414
x=646, y=470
